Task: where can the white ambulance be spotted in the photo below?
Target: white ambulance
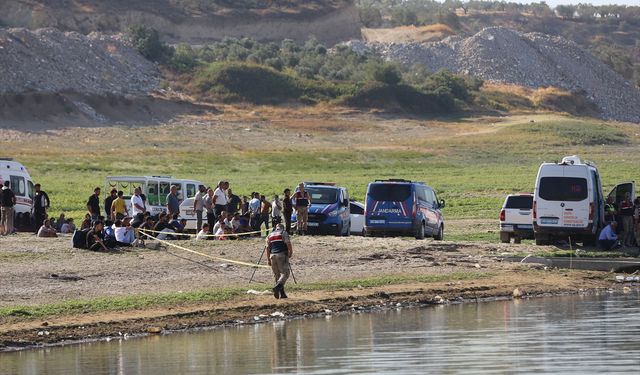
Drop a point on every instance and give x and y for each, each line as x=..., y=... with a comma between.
x=21, y=183
x=155, y=188
x=568, y=202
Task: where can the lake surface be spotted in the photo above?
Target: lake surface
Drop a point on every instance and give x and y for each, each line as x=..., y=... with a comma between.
x=563, y=335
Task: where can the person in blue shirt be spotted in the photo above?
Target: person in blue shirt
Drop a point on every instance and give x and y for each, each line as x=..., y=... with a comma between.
x=608, y=237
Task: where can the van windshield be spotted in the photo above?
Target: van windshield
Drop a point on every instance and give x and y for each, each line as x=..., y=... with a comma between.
x=390, y=192
x=571, y=189
x=322, y=195
x=522, y=202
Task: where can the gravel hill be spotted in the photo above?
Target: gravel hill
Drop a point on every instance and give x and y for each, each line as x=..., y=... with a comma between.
x=533, y=60
x=50, y=61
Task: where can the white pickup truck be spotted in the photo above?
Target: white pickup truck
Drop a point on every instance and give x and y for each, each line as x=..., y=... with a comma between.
x=516, y=219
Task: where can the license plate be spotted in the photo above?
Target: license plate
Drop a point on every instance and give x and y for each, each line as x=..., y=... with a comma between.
x=190, y=212
x=313, y=224
x=548, y=220
x=376, y=221
x=525, y=226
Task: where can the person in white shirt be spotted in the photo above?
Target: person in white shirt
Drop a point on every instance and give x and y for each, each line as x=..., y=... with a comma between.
x=125, y=234
x=204, y=232
x=68, y=226
x=220, y=198
x=276, y=211
x=137, y=204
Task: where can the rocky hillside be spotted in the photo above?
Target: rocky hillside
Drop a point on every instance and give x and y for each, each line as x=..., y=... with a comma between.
x=192, y=21
x=51, y=61
x=528, y=59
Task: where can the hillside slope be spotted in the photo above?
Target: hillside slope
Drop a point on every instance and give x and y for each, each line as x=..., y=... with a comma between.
x=192, y=21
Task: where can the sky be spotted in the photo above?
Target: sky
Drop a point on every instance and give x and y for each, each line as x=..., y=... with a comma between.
x=553, y=3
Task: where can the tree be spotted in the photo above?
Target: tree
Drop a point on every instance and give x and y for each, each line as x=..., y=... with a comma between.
x=565, y=11
x=384, y=72
x=370, y=17
x=147, y=42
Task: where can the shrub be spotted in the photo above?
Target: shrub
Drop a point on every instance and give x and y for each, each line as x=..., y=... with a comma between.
x=401, y=98
x=445, y=81
x=184, y=59
x=147, y=42
x=383, y=72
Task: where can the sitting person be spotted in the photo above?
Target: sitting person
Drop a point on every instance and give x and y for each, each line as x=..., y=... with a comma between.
x=68, y=227
x=177, y=224
x=125, y=235
x=46, y=230
x=235, y=223
x=219, y=224
x=608, y=237
x=60, y=222
x=138, y=220
x=204, y=232
x=244, y=224
x=222, y=231
x=164, y=230
x=147, y=225
x=86, y=223
x=95, y=237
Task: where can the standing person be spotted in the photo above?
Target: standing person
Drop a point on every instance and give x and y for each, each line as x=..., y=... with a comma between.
x=108, y=201
x=636, y=219
x=7, y=209
x=276, y=211
x=287, y=209
x=626, y=213
x=244, y=206
x=234, y=202
x=208, y=205
x=198, y=206
x=173, y=203
x=302, y=202
x=279, y=251
x=41, y=204
x=254, y=211
x=265, y=212
x=220, y=198
x=93, y=205
x=610, y=210
x=137, y=203
x=119, y=207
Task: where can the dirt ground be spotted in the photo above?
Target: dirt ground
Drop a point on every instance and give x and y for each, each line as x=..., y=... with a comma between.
x=40, y=271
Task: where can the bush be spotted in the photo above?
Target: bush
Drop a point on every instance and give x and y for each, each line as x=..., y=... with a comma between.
x=445, y=81
x=383, y=72
x=183, y=60
x=401, y=98
x=247, y=82
x=147, y=42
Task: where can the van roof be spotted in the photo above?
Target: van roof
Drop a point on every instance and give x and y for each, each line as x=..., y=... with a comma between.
x=144, y=178
x=400, y=180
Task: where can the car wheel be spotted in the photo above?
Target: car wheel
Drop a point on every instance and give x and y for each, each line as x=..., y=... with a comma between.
x=440, y=235
x=505, y=237
x=420, y=232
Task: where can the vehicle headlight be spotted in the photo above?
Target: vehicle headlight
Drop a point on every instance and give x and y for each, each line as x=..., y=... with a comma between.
x=333, y=213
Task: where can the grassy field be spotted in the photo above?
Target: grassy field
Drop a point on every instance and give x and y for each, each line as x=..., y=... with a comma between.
x=472, y=162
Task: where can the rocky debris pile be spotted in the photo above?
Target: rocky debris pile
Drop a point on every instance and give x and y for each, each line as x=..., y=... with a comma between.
x=49, y=61
x=533, y=60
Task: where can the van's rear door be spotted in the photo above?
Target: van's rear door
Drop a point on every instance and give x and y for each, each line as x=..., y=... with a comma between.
x=564, y=199
x=389, y=205
x=620, y=190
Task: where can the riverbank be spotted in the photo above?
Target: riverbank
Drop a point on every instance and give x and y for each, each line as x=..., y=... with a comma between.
x=54, y=294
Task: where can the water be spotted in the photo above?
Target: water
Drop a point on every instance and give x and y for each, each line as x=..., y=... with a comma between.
x=577, y=335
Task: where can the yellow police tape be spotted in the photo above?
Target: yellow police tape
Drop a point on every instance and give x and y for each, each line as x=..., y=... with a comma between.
x=219, y=235
x=252, y=265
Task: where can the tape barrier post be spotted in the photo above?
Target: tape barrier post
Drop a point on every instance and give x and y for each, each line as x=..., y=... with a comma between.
x=264, y=250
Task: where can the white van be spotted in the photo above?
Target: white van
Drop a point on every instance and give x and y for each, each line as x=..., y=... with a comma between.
x=155, y=188
x=21, y=183
x=568, y=202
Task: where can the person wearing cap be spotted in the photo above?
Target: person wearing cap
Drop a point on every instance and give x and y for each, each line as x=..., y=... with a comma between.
x=279, y=250
x=173, y=203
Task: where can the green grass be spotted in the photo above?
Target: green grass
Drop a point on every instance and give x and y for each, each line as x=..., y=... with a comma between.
x=138, y=302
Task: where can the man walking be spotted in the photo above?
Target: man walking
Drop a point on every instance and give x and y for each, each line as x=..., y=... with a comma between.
x=287, y=209
x=173, y=203
x=7, y=209
x=279, y=251
x=198, y=206
x=303, y=201
x=93, y=205
x=40, y=205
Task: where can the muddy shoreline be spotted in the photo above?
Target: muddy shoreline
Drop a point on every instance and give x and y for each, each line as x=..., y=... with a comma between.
x=43, y=333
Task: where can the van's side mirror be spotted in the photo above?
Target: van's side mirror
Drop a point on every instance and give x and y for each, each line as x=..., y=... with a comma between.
x=345, y=203
x=442, y=203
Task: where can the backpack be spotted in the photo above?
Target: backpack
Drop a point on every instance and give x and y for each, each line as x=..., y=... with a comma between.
x=79, y=238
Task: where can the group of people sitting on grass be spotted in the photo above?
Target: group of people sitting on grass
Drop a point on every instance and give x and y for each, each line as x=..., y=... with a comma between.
x=51, y=227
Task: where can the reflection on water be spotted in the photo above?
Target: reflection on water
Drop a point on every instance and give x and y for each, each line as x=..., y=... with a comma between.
x=553, y=335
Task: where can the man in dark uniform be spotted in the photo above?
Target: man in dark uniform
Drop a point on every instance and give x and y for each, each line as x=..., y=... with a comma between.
x=287, y=209
x=93, y=205
x=279, y=250
x=40, y=205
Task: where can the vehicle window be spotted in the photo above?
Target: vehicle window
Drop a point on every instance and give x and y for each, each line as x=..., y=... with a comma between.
x=152, y=194
x=322, y=195
x=164, y=189
x=421, y=193
x=179, y=192
x=431, y=197
x=522, y=202
x=30, y=186
x=18, y=185
x=390, y=192
x=357, y=210
x=191, y=190
x=572, y=189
